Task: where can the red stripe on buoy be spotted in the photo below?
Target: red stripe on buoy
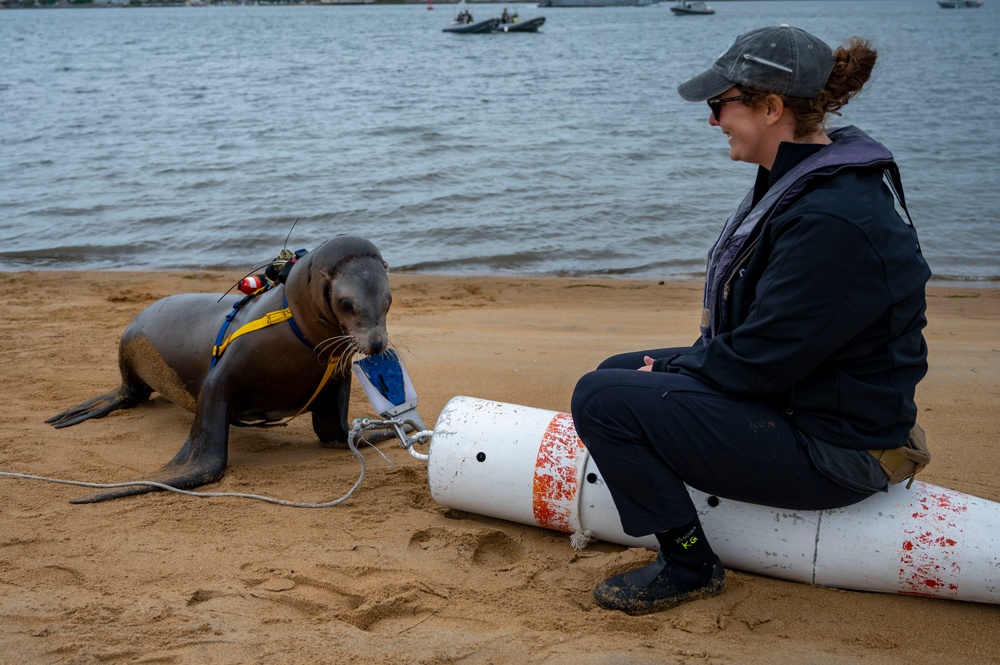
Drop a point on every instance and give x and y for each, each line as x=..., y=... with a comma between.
x=929, y=560
x=557, y=473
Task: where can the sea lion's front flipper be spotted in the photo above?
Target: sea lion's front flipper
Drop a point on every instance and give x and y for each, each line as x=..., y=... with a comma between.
x=329, y=413
x=201, y=460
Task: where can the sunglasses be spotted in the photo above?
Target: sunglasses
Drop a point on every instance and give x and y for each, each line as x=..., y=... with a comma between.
x=716, y=104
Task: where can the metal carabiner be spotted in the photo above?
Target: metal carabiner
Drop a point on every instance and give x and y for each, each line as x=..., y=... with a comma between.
x=398, y=428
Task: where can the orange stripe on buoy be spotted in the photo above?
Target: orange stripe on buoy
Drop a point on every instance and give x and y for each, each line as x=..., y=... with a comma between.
x=929, y=561
x=561, y=456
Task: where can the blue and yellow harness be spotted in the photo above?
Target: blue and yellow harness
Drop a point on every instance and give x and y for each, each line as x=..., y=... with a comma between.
x=269, y=319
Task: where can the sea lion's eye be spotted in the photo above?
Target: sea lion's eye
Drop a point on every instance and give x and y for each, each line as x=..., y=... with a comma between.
x=346, y=306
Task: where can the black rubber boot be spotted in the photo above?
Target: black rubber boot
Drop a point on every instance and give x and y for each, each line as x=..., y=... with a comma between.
x=681, y=572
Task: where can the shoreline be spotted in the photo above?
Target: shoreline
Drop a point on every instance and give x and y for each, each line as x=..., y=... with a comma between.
x=934, y=282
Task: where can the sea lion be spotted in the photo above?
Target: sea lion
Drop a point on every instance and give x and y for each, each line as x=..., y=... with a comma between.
x=338, y=296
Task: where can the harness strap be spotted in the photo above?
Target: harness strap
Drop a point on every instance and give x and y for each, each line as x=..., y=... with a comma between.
x=268, y=319
x=295, y=328
x=331, y=365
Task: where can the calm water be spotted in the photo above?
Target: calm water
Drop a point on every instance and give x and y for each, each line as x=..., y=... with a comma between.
x=168, y=138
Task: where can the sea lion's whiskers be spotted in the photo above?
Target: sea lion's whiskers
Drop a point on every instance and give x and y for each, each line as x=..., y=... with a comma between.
x=345, y=362
x=333, y=344
x=399, y=347
x=343, y=347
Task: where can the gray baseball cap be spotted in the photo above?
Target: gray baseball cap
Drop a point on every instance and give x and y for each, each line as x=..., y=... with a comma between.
x=780, y=59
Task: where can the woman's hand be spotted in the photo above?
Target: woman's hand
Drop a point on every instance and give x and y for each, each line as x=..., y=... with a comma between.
x=648, y=367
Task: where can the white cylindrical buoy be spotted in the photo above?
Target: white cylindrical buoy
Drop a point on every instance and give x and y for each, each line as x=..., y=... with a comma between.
x=527, y=465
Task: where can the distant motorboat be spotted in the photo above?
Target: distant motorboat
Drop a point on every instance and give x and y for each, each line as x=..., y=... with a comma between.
x=686, y=7
x=960, y=4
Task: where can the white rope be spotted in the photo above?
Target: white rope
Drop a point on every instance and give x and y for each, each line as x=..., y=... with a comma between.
x=237, y=495
x=581, y=539
x=423, y=436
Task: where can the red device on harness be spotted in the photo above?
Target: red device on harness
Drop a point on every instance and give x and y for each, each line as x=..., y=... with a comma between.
x=248, y=285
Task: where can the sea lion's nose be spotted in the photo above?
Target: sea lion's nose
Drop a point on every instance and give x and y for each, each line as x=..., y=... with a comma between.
x=376, y=344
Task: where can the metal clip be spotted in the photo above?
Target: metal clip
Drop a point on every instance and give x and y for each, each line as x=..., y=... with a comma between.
x=397, y=427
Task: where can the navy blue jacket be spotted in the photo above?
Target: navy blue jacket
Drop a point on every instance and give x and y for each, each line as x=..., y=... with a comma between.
x=823, y=316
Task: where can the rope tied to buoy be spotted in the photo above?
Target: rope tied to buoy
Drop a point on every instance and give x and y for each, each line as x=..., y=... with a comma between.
x=389, y=428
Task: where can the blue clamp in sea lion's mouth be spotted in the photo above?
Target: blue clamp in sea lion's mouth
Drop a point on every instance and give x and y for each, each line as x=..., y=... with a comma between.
x=387, y=386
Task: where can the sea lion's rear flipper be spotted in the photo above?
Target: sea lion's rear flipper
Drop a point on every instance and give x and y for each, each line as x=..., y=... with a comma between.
x=97, y=407
x=200, y=461
x=127, y=490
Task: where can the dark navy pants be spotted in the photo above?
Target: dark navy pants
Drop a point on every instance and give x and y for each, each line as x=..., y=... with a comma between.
x=652, y=432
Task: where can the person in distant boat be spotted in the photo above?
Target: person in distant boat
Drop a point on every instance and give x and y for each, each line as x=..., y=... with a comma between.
x=811, y=341
x=505, y=17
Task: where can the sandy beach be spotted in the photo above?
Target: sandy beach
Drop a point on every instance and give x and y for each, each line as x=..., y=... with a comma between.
x=390, y=576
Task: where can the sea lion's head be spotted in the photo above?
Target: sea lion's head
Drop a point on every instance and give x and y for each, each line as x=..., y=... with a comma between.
x=339, y=295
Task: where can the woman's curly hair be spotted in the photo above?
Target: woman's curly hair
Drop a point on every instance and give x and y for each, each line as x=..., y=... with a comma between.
x=855, y=61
